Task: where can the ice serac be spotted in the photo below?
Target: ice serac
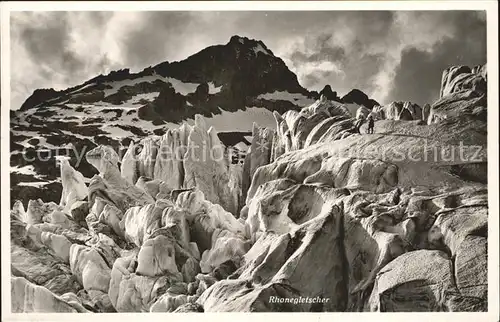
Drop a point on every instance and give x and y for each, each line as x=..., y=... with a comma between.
x=295, y=129
x=129, y=168
x=463, y=92
x=169, y=162
x=157, y=257
x=206, y=166
x=259, y=154
x=31, y=298
x=420, y=280
x=404, y=111
x=281, y=266
x=74, y=187
x=109, y=184
x=131, y=292
x=140, y=222
x=459, y=78
x=147, y=158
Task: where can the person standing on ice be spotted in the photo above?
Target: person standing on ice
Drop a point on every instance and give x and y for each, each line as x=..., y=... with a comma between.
x=371, y=124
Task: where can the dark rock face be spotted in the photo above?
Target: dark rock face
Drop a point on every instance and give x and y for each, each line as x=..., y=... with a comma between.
x=91, y=97
x=233, y=138
x=39, y=96
x=168, y=97
x=244, y=68
x=246, y=65
x=358, y=97
x=127, y=92
x=201, y=93
x=329, y=94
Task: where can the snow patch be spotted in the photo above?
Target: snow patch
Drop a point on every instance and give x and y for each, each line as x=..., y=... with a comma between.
x=241, y=146
x=180, y=87
x=27, y=170
x=116, y=132
x=295, y=98
x=82, y=137
x=259, y=49
x=144, y=96
x=37, y=184
x=212, y=89
x=241, y=120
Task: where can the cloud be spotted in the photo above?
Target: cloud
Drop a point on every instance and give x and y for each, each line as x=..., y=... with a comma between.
x=354, y=41
x=56, y=49
x=156, y=37
x=418, y=75
x=389, y=55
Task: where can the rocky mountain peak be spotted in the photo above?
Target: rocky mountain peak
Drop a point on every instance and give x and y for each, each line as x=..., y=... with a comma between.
x=39, y=95
x=245, y=66
x=249, y=44
x=329, y=93
x=357, y=96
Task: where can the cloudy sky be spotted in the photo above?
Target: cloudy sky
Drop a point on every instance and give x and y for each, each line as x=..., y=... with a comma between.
x=389, y=55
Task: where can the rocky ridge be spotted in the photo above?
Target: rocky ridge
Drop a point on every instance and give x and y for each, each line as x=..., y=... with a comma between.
x=392, y=221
